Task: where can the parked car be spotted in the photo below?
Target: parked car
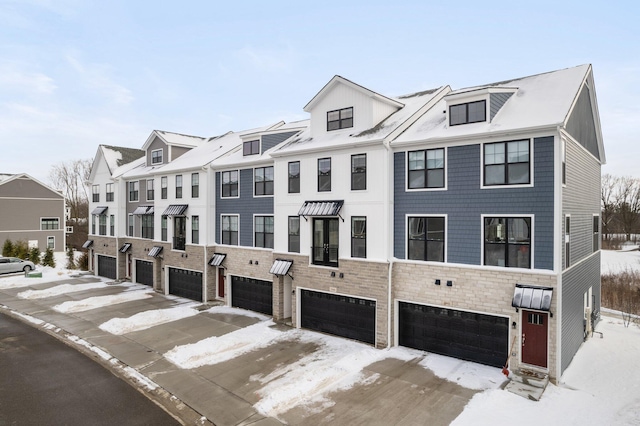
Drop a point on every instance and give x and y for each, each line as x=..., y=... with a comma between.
x=13, y=264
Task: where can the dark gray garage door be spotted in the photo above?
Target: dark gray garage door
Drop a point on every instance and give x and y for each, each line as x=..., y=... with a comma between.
x=464, y=335
x=340, y=315
x=185, y=283
x=107, y=267
x=144, y=272
x=252, y=294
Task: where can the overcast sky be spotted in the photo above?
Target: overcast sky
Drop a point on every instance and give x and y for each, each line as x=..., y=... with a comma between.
x=76, y=73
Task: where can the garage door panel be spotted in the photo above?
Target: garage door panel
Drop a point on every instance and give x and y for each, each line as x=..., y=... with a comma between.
x=255, y=295
x=144, y=272
x=465, y=335
x=185, y=283
x=107, y=267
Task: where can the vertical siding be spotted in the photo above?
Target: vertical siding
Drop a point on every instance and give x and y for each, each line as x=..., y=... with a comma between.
x=269, y=141
x=496, y=100
x=464, y=202
x=581, y=125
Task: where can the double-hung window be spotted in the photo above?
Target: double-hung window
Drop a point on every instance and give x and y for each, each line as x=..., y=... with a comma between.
x=263, y=181
x=109, y=190
x=294, y=234
x=596, y=233
x=134, y=191
x=95, y=192
x=230, y=230
x=507, y=163
x=426, y=238
x=147, y=226
x=163, y=228
x=426, y=168
x=359, y=236
x=507, y=241
x=178, y=186
x=358, y=172
x=130, y=225
x=567, y=241
x=324, y=174
x=163, y=187
x=112, y=225
x=263, y=231
x=294, y=177
x=156, y=156
x=195, y=229
x=230, y=183
x=340, y=119
x=102, y=222
x=471, y=112
x=150, y=193
x=195, y=185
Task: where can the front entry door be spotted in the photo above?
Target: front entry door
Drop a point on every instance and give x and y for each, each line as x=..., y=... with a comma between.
x=534, y=338
x=220, y=282
x=325, y=242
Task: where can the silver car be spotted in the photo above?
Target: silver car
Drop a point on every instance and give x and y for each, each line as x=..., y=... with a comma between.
x=13, y=264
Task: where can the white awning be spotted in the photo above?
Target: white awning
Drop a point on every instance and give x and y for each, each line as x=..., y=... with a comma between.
x=99, y=210
x=281, y=267
x=532, y=297
x=217, y=259
x=155, y=251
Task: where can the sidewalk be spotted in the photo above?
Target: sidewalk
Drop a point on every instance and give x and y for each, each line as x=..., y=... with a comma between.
x=226, y=393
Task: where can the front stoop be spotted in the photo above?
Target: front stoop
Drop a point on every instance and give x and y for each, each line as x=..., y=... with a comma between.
x=528, y=384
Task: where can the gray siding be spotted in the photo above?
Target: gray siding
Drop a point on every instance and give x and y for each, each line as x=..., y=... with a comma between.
x=246, y=205
x=155, y=145
x=27, y=188
x=575, y=282
x=177, y=151
x=581, y=125
x=464, y=203
x=269, y=141
x=496, y=102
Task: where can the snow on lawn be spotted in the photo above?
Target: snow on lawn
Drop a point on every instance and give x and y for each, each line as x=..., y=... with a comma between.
x=600, y=387
x=58, y=290
x=615, y=261
x=235, y=311
x=466, y=374
x=101, y=301
x=147, y=319
x=49, y=274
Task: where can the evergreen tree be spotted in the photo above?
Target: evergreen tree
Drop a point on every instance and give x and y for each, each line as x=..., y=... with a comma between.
x=7, y=248
x=34, y=255
x=71, y=262
x=47, y=259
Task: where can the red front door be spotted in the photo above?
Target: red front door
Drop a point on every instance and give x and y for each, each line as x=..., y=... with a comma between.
x=534, y=338
x=220, y=282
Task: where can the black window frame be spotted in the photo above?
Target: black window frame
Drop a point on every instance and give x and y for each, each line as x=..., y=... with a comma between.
x=293, y=234
x=344, y=119
x=49, y=223
x=251, y=147
x=229, y=236
x=231, y=189
x=358, y=237
x=423, y=238
x=112, y=225
x=466, y=119
x=150, y=192
x=134, y=191
x=102, y=224
x=324, y=178
x=294, y=178
x=567, y=241
x=358, y=173
x=494, y=238
x=195, y=229
x=195, y=185
x=164, y=185
x=261, y=235
x=163, y=228
x=109, y=192
x=146, y=226
x=95, y=193
x=427, y=174
x=130, y=224
x=264, y=186
x=178, y=186
x=596, y=233
x=157, y=157
x=506, y=164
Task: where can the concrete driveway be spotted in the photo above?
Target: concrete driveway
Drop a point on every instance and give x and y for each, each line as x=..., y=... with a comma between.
x=291, y=376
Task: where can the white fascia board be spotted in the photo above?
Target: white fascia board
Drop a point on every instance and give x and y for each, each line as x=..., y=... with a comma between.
x=341, y=80
x=323, y=148
x=465, y=93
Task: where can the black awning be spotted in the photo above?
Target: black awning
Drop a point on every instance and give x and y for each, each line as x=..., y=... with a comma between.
x=217, y=259
x=125, y=247
x=87, y=244
x=281, y=267
x=175, y=210
x=99, y=210
x=143, y=210
x=155, y=251
x=321, y=208
x=532, y=297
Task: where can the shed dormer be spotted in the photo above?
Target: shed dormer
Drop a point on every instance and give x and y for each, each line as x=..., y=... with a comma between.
x=343, y=106
x=476, y=105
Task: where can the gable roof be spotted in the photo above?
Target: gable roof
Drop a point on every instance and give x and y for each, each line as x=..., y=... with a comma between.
x=7, y=178
x=341, y=80
x=175, y=139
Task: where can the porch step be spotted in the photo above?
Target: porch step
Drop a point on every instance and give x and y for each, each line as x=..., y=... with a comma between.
x=528, y=384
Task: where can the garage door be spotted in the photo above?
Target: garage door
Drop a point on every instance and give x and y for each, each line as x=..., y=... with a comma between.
x=340, y=315
x=465, y=335
x=185, y=283
x=144, y=272
x=107, y=267
x=252, y=294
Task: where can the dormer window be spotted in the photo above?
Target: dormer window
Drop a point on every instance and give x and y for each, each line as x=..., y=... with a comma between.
x=156, y=156
x=251, y=148
x=340, y=119
x=471, y=112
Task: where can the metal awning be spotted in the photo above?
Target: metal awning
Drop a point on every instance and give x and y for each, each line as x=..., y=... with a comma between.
x=217, y=259
x=281, y=267
x=532, y=297
x=321, y=208
x=99, y=210
x=155, y=251
x=87, y=244
x=143, y=210
x=125, y=247
x=175, y=210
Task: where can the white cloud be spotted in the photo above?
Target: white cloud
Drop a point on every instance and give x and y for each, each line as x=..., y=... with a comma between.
x=15, y=79
x=96, y=78
x=268, y=60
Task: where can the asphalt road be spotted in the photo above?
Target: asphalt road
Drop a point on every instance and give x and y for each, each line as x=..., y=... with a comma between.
x=43, y=381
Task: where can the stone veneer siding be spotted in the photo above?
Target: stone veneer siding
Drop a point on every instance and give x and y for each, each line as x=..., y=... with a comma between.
x=487, y=291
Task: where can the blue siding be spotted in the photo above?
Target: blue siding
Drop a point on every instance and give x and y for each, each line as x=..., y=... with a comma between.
x=496, y=102
x=245, y=206
x=269, y=141
x=464, y=203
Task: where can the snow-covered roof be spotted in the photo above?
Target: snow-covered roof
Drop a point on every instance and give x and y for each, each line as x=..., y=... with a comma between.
x=413, y=103
x=341, y=80
x=117, y=156
x=180, y=139
x=4, y=176
x=542, y=100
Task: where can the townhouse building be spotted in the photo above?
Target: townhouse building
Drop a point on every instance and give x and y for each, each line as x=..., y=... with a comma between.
x=460, y=222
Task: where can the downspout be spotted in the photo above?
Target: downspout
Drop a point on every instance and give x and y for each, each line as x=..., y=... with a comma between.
x=389, y=239
x=558, y=247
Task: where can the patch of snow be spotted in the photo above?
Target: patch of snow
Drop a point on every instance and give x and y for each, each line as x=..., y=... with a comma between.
x=140, y=378
x=147, y=319
x=29, y=318
x=102, y=354
x=101, y=301
x=466, y=374
x=237, y=311
x=616, y=261
x=58, y=290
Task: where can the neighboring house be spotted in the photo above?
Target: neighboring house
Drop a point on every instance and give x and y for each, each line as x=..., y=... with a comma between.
x=464, y=223
x=31, y=211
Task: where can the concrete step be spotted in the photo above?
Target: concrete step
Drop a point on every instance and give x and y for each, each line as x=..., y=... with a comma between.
x=528, y=384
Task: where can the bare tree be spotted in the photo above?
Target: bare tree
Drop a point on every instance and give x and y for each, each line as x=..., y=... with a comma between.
x=609, y=203
x=70, y=178
x=628, y=204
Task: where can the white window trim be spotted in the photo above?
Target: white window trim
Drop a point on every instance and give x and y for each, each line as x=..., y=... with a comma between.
x=51, y=237
x=221, y=229
x=532, y=245
x=254, y=231
x=599, y=232
x=161, y=156
x=230, y=197
x=129, y=191
x=146, y=190
x=446, y=238
x=406, y=170
x=563, y=161
x=567, y=240
x=254, y=182
x=507, y=186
